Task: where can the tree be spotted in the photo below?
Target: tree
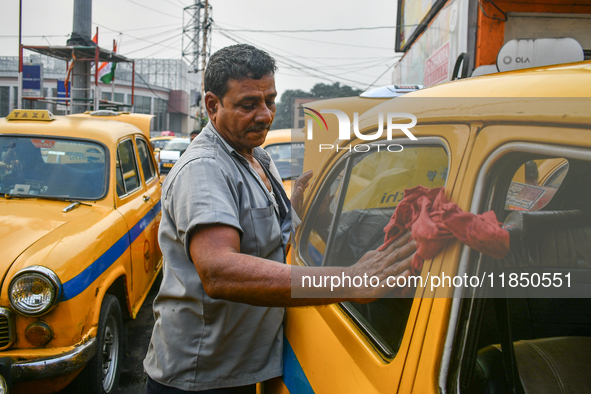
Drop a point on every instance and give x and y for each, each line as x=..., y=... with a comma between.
x=320, y=90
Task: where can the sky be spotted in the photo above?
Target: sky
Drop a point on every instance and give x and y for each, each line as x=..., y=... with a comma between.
x=153, y=29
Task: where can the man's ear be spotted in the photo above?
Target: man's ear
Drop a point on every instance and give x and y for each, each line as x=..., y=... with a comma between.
x=212, y=103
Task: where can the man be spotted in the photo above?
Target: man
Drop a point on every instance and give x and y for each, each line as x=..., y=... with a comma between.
x=224, y=230
x=194, y=134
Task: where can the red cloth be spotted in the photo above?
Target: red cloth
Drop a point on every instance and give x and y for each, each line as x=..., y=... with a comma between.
x=434, y=221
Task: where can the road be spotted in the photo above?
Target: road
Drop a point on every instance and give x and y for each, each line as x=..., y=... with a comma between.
x=139, y=331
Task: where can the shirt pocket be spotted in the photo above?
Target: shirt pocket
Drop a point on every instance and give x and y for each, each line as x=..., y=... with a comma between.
x=267, y=233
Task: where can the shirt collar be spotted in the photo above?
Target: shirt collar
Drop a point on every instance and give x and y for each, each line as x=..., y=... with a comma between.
x=258, y=153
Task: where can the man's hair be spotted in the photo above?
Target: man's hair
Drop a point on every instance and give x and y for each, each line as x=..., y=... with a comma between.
x=195, y=132
x=236, y=62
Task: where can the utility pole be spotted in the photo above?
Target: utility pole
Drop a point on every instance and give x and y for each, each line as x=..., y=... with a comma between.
x=81, y=36
x=204, y=57
x=19, y=102
x=195, y=41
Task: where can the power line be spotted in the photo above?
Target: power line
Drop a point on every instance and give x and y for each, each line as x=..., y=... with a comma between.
x=157, y=43
x=136, y=29
x=313, y=40
x=381, y=75
x=45, y=35
x=152, y=9
x=298, y=66
x=314, y=30
x=144, y=40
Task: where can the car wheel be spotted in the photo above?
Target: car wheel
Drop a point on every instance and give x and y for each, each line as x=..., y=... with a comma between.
x=101, y=374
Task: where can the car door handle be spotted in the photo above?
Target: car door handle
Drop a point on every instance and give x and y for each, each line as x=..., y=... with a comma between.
x=146, y=198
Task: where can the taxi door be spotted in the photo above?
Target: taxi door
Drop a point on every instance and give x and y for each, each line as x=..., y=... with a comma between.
x=152, y=253
x=362, y=348
x=135, y=203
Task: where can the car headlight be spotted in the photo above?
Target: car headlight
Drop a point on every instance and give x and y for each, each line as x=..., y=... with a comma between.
x=34, y=291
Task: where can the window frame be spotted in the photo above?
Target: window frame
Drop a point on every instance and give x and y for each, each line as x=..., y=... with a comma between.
x=135, y=162
x=150, y=158
x=484, y=195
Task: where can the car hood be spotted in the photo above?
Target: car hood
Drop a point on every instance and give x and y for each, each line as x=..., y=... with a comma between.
x=24, y=222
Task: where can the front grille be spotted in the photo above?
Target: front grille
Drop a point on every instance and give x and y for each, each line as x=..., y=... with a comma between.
x=6, y=328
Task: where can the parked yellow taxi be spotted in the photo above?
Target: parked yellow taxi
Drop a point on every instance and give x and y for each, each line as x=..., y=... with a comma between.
x=79, y=214
x=482, y=139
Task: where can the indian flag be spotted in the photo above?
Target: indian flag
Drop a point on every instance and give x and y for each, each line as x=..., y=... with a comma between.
x=106, y=72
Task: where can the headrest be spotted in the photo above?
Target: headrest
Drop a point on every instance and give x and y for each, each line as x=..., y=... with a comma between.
x=524, y=222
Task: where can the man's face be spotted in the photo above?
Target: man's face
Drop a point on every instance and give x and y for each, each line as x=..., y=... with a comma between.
x=244, y=115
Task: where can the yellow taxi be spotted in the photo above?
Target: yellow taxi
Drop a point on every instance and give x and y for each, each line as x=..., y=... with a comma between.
x=159, y=142
x=516, y=143
x=286, y=148
x=80, y=209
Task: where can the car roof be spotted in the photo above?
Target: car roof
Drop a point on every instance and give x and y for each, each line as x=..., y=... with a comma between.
x=141, y=121
x=565, y=80
x=107, y=132
x=553, y=94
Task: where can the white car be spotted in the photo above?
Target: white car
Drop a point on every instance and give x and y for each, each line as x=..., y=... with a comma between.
x=171, y=153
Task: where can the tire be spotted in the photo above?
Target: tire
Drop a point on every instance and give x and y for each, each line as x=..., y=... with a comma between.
x=101, y=374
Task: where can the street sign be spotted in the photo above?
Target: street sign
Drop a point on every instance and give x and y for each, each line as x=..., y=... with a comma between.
x=32, y=80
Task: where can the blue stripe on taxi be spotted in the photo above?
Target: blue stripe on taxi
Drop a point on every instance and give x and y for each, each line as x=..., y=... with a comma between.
x=80, y=282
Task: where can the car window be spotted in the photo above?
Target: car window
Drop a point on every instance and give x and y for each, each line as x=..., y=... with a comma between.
x=159, y=144
x=145, y=159
x=52, y=167
x=288, y=158
x=535, y=183
x=177, y=145
x=127, y=173
x=349, y=216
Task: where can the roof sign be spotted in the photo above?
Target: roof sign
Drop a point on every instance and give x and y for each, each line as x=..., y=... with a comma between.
x=526, y=53
x=30, y=114
x=389, y=91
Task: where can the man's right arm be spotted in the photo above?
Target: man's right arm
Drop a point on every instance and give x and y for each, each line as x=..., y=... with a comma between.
x=228, y=274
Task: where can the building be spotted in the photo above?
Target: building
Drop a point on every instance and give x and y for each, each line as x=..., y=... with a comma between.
x=163, y=87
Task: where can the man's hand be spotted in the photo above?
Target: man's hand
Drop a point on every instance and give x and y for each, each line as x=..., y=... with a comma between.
x=299, y=187
x=395, y=260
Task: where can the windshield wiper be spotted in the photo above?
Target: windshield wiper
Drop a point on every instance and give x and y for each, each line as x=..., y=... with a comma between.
x=74, y=204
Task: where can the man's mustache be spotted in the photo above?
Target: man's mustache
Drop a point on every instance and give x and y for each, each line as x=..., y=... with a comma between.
x=259, y=127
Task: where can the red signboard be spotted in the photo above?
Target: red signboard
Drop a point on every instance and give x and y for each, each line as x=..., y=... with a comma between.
x=43, y=143
x=437, y=66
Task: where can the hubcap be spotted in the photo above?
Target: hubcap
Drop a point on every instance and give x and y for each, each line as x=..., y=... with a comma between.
x=110, y=354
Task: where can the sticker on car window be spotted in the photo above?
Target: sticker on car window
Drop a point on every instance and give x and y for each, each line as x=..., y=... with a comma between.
x=524, y=196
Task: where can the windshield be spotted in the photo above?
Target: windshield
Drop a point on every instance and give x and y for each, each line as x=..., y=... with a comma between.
x=177, y=145
x=288, y=157
x=53, y=167
x=158, y=144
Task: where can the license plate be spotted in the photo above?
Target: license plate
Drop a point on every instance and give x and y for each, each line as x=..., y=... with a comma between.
x=167, y=165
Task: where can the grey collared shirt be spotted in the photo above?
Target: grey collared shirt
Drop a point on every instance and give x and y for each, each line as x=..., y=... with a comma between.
x=200, y=343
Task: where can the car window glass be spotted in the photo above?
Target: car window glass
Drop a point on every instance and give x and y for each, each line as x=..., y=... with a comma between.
x=288, y=158
x=535, y=183
x=375, y=186
x=53, y=167
x=177, y=145
x=323, y=220
x=145, y=159
x=346, y=227
x=128, y=167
